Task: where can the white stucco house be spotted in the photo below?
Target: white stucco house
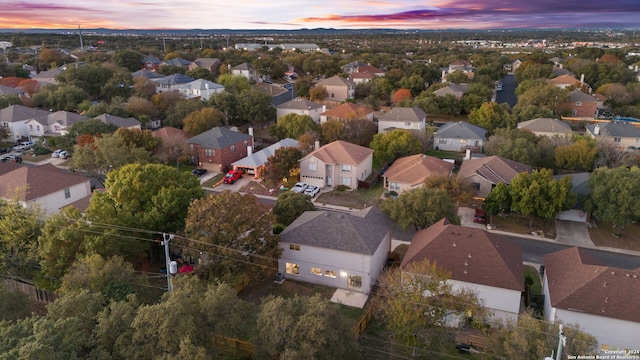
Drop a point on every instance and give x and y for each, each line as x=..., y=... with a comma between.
x=477, y=260
x=337, y=163
x=200, y=88
x=44, y=186
x=459, y=136
x=340, y=250
x=412, y=118
x=602, y=300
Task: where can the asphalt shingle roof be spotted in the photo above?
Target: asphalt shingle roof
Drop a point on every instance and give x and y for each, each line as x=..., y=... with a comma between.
x=414, y=169
x=218, y=138
x=494, y=168
x=341, y=152
x=621, y=129
x=259, y=158
x=546, y=125
x=460, y=130
x=35, y=182
x=403, y=114
x=15, y=113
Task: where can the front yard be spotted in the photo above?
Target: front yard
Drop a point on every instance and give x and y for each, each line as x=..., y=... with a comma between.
x=355, y=199
x=602, y=235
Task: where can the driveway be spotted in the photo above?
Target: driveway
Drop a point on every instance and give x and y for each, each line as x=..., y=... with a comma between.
x=466, y=215
x=573, y=233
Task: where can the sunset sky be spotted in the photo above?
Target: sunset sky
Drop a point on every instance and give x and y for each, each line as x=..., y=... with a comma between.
x=297, y=14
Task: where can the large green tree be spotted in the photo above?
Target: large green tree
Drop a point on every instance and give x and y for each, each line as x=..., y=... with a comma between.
x=491, y=116
x=290, y=205
x=281, y=163
x=420, y=207
x=19, y=231
x=293, y=126
x=614, y=196
x=522, y=146
x=394, y=144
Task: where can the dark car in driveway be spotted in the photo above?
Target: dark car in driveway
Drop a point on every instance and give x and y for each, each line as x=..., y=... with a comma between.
x=480, y=217
x=198, y=172
x=4, y=150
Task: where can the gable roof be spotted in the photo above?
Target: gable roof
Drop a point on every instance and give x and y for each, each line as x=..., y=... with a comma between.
x=470, y=254
x=259, y=158
x=414, y=169
x=201, y=84
x=348, y=111
x=359, y=232
x=150, y=59
x=453, y=89
x=494, y=168
x=579, y=282
x=245, y=66
x=620, y=129
x=546, y=125
x=169, y=132
x=404, y=114
x=8, y=90
x=174, y=79
x=341, y=152
x=34, y=182
x=118, y=121
x=565, y=79
x=206, y=62
x=460, y=130
x=16, y=113
x=218, y=138
x=6, y=167
x=336, y=81
x=299, y=103
x=178, y=62
x=149, y=74
x=578, y=96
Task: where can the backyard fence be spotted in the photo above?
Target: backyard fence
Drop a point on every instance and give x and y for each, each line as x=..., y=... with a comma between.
x=39, y=295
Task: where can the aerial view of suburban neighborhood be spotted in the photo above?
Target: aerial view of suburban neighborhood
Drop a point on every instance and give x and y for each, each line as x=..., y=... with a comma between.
x=320, y=194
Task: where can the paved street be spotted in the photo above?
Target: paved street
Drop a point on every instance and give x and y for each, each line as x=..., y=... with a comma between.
x=508, y=93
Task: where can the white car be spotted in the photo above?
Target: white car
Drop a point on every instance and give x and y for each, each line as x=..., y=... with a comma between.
x=56, y=154
x=26, y=145
x=312, y=190
x=64, y=155
x=299, y=187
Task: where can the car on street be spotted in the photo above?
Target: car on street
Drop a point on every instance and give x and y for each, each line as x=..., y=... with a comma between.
x=299, y=187
x=16, y=158
x=22, y=146
x=198, y=171
x=480, y=217
x=288, y=86
x=232, y=176
x=312, y=190
x=5, y=150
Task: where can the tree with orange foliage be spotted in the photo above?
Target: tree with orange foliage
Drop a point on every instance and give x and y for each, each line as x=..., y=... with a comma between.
x=10, y=81
x=401, y=95
x=30, y=86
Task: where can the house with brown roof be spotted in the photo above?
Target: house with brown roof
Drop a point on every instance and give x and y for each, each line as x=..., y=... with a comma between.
x=484, y=262
x=583, y=105
x=346, y=251
x=301, y=106
x=174, y=142
x=46, y=187
x=347, y=111
x=565, y=81
x=404, y=118
x=603, y=300
x=364, y=73
x=457, y=90
x=547, y=127
x=338, y=88
x=211, y=64
x=216, y=149
x=411, y=171
x=486, y=172
x=337, y=163
x=459, y=65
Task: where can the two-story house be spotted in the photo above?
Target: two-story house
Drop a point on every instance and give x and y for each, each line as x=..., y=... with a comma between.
x=14, y=118
x=216, y=149
x=412, y=118
x=459, y=136
x=211, y=64
x=171, y=82
x=337, y=163
x=52, y=124
x=583, y=105
x=246, y=70
x=338, y=88
x=301, y=106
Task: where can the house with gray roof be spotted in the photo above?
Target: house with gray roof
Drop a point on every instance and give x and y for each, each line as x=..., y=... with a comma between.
x=406, y=118
x=149, y=74
x=459, y=136
x=301, y=106
x=621, y=133
x=200, y=88
x=15, y=118
x=183, y=63
x=150, y=62
x=346, y=251
x=245, y=69
x=457, y=90
x=547, y=127
x=8, y=90
x=52, y=124
x=218, y=148
x=129, y=123
x=171, y=82
x=255, y=160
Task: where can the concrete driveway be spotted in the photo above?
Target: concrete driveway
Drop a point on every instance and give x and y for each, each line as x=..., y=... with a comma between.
x=573, y=233
x=466, y=217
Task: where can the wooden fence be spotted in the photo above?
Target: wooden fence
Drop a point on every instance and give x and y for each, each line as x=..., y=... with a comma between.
x=39, y=295
x=361, y=326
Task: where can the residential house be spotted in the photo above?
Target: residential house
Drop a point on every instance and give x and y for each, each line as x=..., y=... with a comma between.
x=301, y=106
x=218, y=148
x=254, y=161
x=459, y=65
x=52, y=124
x=14, y=118
x=484, y=262
x=46, y=187
x=411, y=171
x=200, y=88
x=623, y=134
x=487, y=172
x=151, y=63
x=149, y=74
x=352, y=67
x=8, y=90
x=365, y=73
x=459, y=136
x=347, y=251
x=172, y=82
x=583, y=105
x=580, y=187
x=347, y=111
x=412, y=118
x=565, y=81
x=457, y=90
x=211, y=64
x=338, y=88
x=127, y=123
x=580, y=289
x=337, y=163
x=49, y=76
x=245, y=69
x=175, y=142
x=279, y=95
x=178, y=61
x=548, y=127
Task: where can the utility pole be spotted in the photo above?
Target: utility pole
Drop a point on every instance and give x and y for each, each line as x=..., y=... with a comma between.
x=81, y=44
x=169, y=265
x=561, y=343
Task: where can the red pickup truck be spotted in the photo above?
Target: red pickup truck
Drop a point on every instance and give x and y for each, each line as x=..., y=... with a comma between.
x=232, y=176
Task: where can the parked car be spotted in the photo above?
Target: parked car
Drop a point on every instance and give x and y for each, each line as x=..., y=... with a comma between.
x=232, y=176
x=198, y=171
x=16, y=158
x=22, y=146
x=299, y=187
x=312, y=190
x=4, y=150
x=56, y=154
x=480, y=217
x=288, y=86
x=64, y=154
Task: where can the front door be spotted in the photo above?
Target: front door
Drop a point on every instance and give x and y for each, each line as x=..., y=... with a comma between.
x=354, y=282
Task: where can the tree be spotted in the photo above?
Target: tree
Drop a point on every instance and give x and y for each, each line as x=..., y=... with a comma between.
x=318, y=93
x=280, y=164
x=202, y=120
x=531, y=338
x=614, y=196
x=545, y=96
x=293, y=125
x=60, y=97
x=418, y=299
x=255, y=108
x=174, y=116
x=491, y=116
x=14, y=304
x=139, y=106
x=290, y=205
x=19, y=231
x=401, y=95
x=238, y=239
x=127, y=59
x=522, y=146
x=112, y=278
x=91, y=78
x=498, y=200
x=578, y=156
x=539, y=194
x=458, y=189
x=139, y=138
x=394, y=144
x=332, y=130
x=420, y=207
x=359, y=131
x=201, y=73
x=457, y=77
x=303, y=326
x=530, y=70
x=234, y=83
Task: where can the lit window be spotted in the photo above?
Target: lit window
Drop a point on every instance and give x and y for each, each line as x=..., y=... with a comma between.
x=463, y=141
x=67, y=193
x=209, y=152
x=313, y=166
x=329, y=273
x=442, y=141
x=316, y=271
x=293, y=268
x=294, y=247
x=346, y=168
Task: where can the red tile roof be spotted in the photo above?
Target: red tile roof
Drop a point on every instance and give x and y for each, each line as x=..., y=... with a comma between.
x=471, y=255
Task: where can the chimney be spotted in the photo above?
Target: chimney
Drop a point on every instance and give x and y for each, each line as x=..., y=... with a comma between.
x=467, y=155
x=581, y=79
x=596, y=130
x=316, y=145
x=249, y=150
x=251, y=131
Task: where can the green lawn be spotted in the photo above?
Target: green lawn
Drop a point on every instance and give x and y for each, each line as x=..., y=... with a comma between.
x=536, y=288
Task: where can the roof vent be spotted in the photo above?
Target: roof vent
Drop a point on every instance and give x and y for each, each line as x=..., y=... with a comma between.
x=635, y=276
x=454, y=245
x=326, y=214
x=341, y=216
x=469, y=256
x=627, y=275
x=613, y=273
x=605, y=284
x=466, y=263
x=465, y=271
x=606, y=299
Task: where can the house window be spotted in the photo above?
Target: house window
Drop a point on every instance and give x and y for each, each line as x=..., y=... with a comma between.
x=346, y=168
x=294, y=247
x=246, y=142
x=233, y=148
x=394, y=186
x=209, y=152
x=67, y=193
x=407, y=123
x=574, y=112
x=355, y=282
x=30, y=127
x=346, y=181
x=191, y=147
x=617, y=139
x=316, y=271
x=463, y=141
x=442, y=141
x=332, y=95
x=637, y=141
x=579, y=103
x=329, y=273
x=293, y=268
x=313, y=166
x=38, y=127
